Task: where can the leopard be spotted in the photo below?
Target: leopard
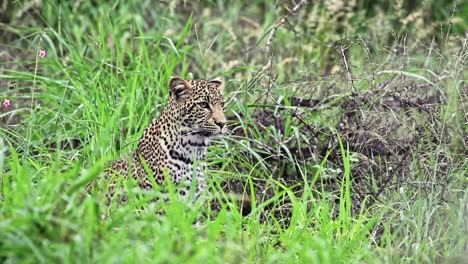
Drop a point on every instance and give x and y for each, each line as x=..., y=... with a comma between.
x=175, y=145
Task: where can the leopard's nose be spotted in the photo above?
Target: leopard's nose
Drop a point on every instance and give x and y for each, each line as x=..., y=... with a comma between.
x=221, y=124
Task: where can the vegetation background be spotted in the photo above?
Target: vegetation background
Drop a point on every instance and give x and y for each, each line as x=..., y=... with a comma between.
x=348, y=128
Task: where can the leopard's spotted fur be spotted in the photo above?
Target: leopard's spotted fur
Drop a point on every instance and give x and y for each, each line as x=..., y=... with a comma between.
x=174, y=143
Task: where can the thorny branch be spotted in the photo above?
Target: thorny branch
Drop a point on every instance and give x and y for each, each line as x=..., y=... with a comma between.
x=342, y=52
x=269, y=44
x=271, y=35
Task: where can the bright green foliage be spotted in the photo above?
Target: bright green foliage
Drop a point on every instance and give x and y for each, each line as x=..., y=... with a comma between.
x=105, y=77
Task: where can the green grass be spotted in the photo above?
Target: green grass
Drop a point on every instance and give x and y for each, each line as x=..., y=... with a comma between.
x=105, y=77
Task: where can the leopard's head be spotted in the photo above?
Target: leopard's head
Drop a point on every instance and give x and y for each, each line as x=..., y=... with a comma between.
x=200, y=105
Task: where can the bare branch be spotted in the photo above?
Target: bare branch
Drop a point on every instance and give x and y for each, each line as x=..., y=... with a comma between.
x=271, y=35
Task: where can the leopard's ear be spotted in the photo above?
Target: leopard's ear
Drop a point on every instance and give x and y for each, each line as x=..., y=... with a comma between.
x=178, y=87
x=219, y=82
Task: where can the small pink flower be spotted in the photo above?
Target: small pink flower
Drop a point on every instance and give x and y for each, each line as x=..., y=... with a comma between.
x=42, y=53
x=6, y=103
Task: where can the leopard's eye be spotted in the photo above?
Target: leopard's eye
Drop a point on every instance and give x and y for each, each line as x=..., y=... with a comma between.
x=204, y=105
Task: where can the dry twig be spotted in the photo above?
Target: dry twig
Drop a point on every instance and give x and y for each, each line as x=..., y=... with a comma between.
x=271, y=35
